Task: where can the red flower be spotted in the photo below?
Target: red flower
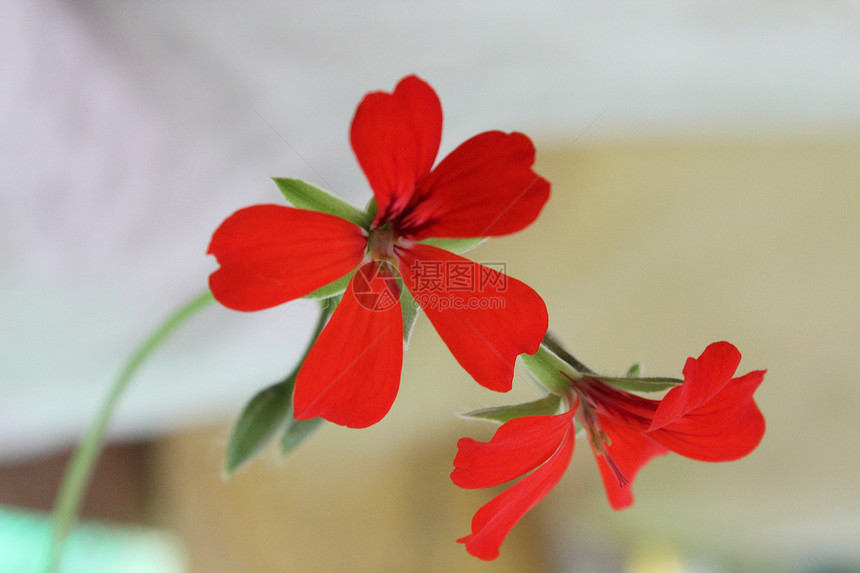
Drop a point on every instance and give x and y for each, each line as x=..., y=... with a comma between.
x=271, y=254
x=710, y=417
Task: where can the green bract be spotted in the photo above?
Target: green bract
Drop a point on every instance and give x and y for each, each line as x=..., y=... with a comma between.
x=634, y=381
x=267, y=415
x=458, y=246
x=639, y=384
x=305, y=196
x=546, y=406
x=262, y=419
x=410, y=309
x=551, y=371
x=270, y=413
x=332, y=289
x=296, y=433
x=556, y=373
x=635, y=371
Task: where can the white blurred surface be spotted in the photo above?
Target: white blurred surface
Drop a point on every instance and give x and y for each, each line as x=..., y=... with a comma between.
x=130, y=130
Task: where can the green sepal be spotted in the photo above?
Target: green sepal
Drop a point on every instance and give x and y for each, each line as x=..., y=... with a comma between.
x=371, y=208
x=297, y=432
x=410, y=310
x=457, y=246
x=635, y=371
x=334, y=288
x=639, y=384
x=270, y=412
x=262, y=419
x=546, y=406
x=306, y=196
x=552, y=372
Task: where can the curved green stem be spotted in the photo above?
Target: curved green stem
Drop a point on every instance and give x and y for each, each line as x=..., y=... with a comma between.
x=80, y=468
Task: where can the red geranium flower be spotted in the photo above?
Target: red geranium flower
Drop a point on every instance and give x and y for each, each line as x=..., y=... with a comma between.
x=271, y=254
x=711, y=417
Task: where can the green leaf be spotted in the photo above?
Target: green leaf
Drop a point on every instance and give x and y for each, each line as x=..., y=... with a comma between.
x=458, y=246
x=410, y=310
x=546, y=406
x=333, y=288
x=261, y=420
x=552, y=372
x=297, y=432
x=633, y=384
x=635, y=371
x=305, y=196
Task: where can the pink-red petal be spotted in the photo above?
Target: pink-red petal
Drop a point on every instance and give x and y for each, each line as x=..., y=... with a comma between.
x=711, y=416
x=517, y=447
x=395, y=137
x=726, y=428
x=630, y=451
x=485, y=318
x=352, y=373
x=703, y=379
x=492, y=522
x=270, y=254
x=486, y=187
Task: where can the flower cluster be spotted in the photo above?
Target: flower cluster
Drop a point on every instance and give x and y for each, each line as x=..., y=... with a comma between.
x=377, y=267
x=710, y=417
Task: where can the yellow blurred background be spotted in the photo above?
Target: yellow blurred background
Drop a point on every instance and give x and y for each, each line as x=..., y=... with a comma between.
x=646, y=252
x=705, y=164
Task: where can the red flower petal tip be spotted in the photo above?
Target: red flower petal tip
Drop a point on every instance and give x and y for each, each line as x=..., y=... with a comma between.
x=712, y=416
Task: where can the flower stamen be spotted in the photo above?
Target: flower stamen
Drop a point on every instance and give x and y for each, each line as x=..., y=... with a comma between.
x=616, y=471
x=598, y=439
x=380, y=245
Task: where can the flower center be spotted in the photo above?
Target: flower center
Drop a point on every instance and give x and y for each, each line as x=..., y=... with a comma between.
x=380, y=244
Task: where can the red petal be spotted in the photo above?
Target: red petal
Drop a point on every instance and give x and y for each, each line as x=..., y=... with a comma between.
x=352, y=373
x=726, y=428
x=270, y=254
x=485, y=187
x=395, y=137
x=492, y=523
x=485, y=318
x=630, y=450
x=703, y=379
x=518, y=446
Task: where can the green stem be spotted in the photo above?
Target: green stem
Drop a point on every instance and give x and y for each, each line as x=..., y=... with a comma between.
x=80, y=468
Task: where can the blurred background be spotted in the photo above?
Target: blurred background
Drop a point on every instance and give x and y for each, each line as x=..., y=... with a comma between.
x=706, y=186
